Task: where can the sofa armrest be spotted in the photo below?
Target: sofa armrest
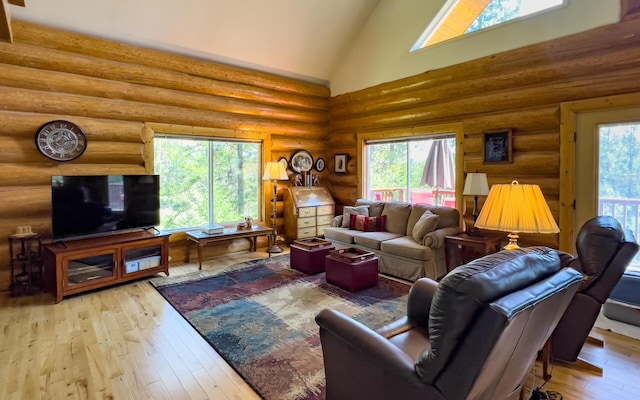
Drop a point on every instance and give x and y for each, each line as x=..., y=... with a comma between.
x=435, y=239
x=336, y=222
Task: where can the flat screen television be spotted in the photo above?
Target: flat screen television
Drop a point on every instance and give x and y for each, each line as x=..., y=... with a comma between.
x=102, y=204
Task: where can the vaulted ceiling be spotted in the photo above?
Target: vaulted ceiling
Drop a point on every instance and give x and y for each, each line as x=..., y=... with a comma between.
x=303, y=38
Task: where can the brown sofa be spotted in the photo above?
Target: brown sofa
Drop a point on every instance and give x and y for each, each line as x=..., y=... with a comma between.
x=399, y=253
x=474, y=335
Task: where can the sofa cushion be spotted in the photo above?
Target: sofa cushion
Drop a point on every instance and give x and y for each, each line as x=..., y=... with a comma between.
x=373, y=239
x=375, y=207
x=348, y=210
x=405, y=246
x=339, y=234
x=448, y=216
x=427, y=223
x=397, y=216
x=368, y=224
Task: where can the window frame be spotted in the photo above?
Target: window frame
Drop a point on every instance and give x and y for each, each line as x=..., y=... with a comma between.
x=150, y=130
x=409, y=133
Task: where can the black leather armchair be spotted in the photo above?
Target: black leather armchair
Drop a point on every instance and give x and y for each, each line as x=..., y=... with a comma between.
x=604, y=250
x=474, y=335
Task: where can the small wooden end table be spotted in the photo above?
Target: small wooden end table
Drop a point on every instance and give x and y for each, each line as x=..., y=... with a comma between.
x=463, y=248
x=202, y=239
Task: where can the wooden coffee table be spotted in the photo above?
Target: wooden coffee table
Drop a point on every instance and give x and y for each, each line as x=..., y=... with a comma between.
x=202, y=239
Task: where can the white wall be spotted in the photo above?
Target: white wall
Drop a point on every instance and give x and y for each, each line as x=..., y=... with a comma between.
x=381, y=50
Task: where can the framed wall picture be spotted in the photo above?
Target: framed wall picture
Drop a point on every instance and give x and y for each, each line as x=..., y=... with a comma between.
x=341, y=163
x=319, y=164
x=301, y=161
x=497, y=146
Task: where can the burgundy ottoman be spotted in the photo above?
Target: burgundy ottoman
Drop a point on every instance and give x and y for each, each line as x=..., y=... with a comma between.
x=307, y=255
x=352, y=269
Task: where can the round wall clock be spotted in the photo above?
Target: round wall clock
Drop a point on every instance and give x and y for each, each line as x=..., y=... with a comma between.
x=61, y=140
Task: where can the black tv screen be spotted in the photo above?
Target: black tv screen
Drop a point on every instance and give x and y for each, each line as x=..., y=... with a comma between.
x=103, y=204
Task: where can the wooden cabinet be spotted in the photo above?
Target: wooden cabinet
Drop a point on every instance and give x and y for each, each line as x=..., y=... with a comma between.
x=76, y=266
x=307, y=211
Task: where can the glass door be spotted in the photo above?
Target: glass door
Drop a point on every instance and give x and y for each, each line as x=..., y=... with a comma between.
x=87, y=270
x=608, y=168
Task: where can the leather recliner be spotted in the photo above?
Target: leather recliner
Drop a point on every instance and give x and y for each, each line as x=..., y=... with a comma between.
x=474, y=335
x=604, y=249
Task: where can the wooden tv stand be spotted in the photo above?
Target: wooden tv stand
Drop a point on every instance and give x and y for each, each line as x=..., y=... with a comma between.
x=75, y=266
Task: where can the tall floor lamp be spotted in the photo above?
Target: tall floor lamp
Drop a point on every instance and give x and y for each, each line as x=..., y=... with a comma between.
x=274, y=172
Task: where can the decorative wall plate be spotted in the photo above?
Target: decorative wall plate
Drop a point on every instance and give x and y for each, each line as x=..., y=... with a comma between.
x=301, y=161
x=61, y=140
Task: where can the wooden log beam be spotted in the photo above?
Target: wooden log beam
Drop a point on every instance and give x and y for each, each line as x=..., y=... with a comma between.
x=25, y=200
x=618, y=82
x=35, y=79
x=529, y=164
x=38, y=35
x=285, y=143
x=527, y=119
x=569, y=47
x=40, y=174
x=603, y=61
x=24, y=125
x=56, y=103
x=24, y=151
x=55, y=60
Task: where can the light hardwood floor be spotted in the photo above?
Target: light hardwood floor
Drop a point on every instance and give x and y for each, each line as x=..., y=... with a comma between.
x=127, y=342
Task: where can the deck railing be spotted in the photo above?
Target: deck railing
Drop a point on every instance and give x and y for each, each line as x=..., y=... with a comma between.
x=627, y=211
x=425, y=196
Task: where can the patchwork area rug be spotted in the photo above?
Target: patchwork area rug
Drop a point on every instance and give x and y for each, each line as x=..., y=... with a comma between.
x=259, y=316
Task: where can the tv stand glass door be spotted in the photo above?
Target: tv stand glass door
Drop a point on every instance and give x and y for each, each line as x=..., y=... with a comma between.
x=90, y=268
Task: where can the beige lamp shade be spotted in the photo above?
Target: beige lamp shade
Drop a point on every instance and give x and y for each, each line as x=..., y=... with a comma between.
x=516, y=209
x=275, y=171
x=476, y=184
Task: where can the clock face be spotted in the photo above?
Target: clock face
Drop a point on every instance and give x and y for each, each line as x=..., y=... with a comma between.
x=61, y=140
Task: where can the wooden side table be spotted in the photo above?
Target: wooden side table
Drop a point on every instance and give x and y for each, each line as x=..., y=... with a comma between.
x=463, y=248
x=25, y=254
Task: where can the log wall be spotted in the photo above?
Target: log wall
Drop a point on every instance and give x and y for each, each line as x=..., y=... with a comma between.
x=521, y=89
x=113, y=91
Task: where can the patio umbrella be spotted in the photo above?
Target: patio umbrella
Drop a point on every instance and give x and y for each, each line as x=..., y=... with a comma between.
x=439, y=168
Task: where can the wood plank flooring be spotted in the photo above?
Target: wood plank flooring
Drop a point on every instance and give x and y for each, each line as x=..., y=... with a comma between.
x=127, y=342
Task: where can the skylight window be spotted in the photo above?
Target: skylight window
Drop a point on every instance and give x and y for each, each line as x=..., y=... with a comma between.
x=459, y=17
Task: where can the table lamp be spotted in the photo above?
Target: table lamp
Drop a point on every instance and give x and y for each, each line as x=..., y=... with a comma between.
x=475, y=185
x=516, y=208
x=274, y=172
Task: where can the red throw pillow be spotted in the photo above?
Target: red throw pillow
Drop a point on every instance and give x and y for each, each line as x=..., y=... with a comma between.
x=368, y=224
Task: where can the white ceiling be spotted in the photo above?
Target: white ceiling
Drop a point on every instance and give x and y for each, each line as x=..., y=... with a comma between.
x=299, y=38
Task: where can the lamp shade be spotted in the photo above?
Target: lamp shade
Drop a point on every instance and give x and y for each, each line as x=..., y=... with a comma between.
x=275, y=171
x=476, y=184
x=516, y=208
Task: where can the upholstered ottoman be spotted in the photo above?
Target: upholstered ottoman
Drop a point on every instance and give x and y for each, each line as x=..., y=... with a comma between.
x=352, y=269
x=308, y=255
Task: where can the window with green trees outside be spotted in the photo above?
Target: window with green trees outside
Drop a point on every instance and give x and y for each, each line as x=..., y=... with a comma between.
x=206, y=180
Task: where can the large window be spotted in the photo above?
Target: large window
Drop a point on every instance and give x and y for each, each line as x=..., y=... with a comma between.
x=416, y=170
x=206, y=180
